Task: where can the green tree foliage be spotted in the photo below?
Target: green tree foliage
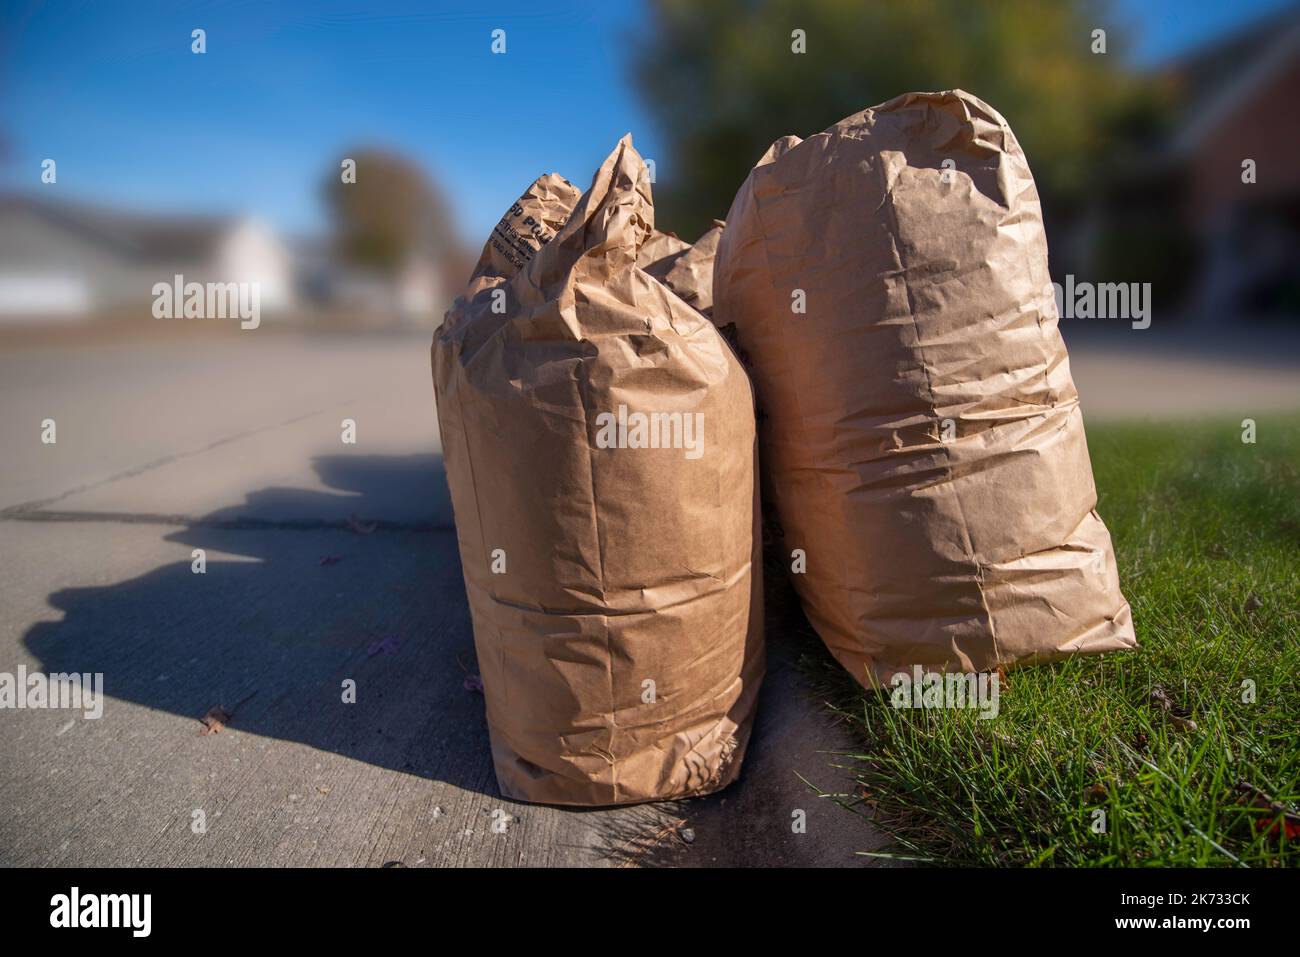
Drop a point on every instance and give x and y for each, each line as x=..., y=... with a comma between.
x=390, y=214
x=721, y=79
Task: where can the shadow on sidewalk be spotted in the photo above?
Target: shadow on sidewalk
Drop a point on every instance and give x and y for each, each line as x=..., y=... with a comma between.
x=292, y=606
x=286, y=613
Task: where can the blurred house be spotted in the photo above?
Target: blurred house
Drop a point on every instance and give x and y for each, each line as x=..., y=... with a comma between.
x=1239, y=105
x=343, y=294
x=65, y=260
x=1216, y=247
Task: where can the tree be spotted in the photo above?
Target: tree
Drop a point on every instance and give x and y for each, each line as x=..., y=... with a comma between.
x=389, y=214
x=723, y=82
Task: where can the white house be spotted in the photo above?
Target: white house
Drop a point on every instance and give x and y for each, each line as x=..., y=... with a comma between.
x=65, y=260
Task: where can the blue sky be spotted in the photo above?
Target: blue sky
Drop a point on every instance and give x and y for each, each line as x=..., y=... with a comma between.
x=133, y=118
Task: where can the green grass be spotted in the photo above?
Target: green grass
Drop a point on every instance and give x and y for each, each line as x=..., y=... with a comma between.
x=1207, y=534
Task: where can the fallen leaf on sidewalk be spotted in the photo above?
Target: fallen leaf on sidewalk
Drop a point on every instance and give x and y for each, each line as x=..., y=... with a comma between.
x=218, y=716
x=216, y=719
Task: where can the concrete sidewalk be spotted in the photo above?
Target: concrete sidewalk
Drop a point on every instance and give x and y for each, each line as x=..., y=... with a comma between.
x=325, y=562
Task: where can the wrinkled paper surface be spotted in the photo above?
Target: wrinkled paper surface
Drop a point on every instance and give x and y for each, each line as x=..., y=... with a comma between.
x=921, y=434
x=621, y=647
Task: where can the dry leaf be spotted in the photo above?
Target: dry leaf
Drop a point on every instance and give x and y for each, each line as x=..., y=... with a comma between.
x=216, y=719
x=1160, y=699
x=1162, y=702
x=1095, y=793
x=1288, y=822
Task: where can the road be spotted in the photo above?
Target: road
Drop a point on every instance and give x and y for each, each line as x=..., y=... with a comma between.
x=327, y=562
x=324, y=562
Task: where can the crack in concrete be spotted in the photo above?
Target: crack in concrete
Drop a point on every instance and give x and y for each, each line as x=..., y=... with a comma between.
x=25, y=507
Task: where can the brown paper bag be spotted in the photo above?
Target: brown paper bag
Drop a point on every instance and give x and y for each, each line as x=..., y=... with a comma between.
x=611, y=560
x=528, y=225
x=922, y=439
x=685, y=269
